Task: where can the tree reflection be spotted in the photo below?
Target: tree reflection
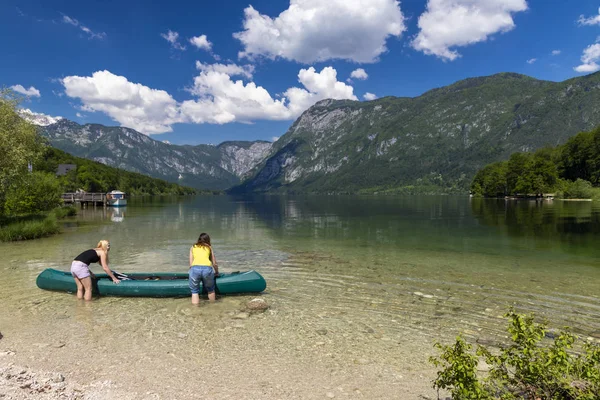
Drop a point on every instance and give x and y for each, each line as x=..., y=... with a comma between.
x=571, y=221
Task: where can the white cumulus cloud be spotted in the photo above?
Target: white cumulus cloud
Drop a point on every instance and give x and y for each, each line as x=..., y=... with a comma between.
x=315, y=30
x=531, y=60
x=201, y=42
x=555, y=52
x=218, y=98
x=359, y=73
x=229, y=69
x=91, y=34
x=455, y=23
x=222, y=100
x=131, y=104
x=369, y=96
x=173, y=38
x=589, y=59
x=593, y=20
x=317, y=86
x=31, y=92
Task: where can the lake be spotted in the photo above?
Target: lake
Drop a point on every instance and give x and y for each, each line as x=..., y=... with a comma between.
x=360, y=287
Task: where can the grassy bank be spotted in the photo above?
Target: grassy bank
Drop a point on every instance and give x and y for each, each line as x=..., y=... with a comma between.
x=33, y=226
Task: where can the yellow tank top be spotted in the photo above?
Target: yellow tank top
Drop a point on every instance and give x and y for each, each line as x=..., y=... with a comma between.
x=201, y=255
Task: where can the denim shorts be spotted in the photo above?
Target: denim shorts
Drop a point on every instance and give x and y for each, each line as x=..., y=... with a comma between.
x=202, y=273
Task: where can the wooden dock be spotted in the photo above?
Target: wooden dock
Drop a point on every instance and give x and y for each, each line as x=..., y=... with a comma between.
x=85, y=198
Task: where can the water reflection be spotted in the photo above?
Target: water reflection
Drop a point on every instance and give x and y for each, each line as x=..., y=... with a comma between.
x=118, y=214
x=575, y=224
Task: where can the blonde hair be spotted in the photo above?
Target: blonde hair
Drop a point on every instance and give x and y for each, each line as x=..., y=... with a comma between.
x=104, y=245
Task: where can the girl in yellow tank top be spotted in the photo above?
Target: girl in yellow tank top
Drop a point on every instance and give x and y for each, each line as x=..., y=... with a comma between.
x=201, y=255
x=203, y=268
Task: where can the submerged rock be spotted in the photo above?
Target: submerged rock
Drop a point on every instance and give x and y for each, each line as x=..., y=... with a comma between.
x=241, y=315
x=257, y=305
x=552, y=333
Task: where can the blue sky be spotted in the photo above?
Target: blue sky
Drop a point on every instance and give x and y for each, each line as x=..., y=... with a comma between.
x=206, y=72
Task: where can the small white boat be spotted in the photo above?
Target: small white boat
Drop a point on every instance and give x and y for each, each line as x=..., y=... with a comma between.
x=116, y=198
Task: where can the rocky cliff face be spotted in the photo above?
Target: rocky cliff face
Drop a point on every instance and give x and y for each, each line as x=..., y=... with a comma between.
x=436, y=141
x=202, y=166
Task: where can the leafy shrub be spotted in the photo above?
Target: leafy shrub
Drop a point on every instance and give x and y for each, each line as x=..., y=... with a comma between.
x=580, y=189
x=30, y=229
x=527, y=368
x=34, y=193
x=62, y=212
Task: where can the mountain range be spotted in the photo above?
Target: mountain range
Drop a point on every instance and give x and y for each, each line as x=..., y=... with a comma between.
x=433, y=142
x=202, y=166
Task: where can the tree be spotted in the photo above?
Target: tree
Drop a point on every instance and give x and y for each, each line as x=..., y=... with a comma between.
x=517, y=165
x=491, y=180
x=575, y=155
x=34, y=193
x=540, y=173
x=20, y=144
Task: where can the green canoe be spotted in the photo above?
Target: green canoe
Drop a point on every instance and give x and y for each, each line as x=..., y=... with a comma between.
x=161, y=284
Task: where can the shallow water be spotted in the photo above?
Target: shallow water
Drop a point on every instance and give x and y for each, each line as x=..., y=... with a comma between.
x=373, y=280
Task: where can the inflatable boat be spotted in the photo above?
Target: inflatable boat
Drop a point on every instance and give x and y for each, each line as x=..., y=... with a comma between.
x=159, y=284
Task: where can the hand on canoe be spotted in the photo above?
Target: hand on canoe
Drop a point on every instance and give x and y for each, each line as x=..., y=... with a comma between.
x=116, y=281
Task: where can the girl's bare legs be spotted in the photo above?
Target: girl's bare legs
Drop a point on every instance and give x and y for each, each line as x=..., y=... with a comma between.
x=212, y=297
x=87, y=286
x=195, y=298
x=79, y=287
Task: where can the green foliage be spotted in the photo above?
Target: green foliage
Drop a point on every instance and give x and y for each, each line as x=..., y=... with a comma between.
x=580, y=189
x=530, y=367
x=33, y=193
x=92, y=176
x=491, y=180
x=459, y=371
x=19, y=143
x=569, y=170
x=31, y=228
x=63, y=212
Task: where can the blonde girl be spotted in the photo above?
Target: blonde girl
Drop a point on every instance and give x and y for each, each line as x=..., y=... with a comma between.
x=80, y=268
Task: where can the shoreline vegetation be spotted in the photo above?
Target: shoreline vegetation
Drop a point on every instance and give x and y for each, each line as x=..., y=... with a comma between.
x=536, y=363
x=34, y=226
x=31, y=190
x=569, y=171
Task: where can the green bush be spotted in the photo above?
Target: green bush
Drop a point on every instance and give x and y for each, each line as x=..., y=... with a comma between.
x=530, y=367
x=580, y=189
x=62, y=212
x=33, y=193
x=30, y=229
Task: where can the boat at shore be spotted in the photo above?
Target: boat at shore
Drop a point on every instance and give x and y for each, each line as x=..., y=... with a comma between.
x=150, y=284
x=116, y=198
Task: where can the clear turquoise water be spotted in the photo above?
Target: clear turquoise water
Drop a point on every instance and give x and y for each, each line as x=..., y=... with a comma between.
x=460, y=256
x=360, y=288
x=373, y=271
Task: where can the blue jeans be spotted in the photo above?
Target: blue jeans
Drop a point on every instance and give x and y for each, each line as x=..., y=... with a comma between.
x=203, y=273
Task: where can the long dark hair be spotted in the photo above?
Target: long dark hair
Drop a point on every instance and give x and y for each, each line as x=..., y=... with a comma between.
x=203, y=240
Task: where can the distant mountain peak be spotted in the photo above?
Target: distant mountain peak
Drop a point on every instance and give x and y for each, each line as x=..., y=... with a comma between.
x=39, y=119
x=203, y=166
